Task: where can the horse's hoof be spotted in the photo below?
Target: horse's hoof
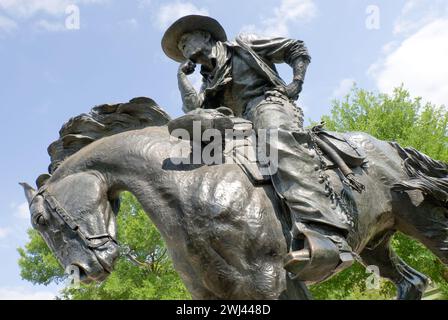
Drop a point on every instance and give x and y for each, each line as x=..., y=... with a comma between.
x=412, y=287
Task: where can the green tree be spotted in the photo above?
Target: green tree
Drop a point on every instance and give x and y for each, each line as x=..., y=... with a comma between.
x=396, y=117
x=143, y=271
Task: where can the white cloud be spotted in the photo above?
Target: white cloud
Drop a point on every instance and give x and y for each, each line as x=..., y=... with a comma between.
x=28, y=8
x=7, y=25
x=289, y=11
x=52, y=26
x=170, y=12
x=389, y=47
x=21, y=211
x=343, y=88
x=4, y=232
x=20, y=293
x=418, y=13
x=419, y=62
x=19, y=11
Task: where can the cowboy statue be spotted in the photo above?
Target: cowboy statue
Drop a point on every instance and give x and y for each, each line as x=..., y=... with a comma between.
x=241, y=76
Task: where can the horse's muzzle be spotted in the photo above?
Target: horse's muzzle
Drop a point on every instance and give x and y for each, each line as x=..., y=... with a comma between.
x=106, y=255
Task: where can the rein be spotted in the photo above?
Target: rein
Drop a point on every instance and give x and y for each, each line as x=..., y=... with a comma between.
x=68, y=220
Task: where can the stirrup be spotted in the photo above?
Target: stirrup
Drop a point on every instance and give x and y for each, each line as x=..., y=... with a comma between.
x=318, y=260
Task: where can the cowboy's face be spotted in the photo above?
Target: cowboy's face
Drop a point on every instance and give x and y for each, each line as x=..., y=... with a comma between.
x=195, y=46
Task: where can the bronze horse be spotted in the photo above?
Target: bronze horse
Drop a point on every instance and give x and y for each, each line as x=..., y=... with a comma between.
x=226, y=236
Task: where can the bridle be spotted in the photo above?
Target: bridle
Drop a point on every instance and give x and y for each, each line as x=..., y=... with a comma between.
x=68, y=220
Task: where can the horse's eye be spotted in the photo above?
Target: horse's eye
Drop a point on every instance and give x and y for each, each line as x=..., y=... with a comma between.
x=40, y=220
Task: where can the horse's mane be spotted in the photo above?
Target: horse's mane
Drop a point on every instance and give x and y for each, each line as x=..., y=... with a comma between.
x=425, y=174
x=102, y=121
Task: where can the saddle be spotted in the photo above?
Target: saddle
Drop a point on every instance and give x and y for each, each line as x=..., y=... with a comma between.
x=240, y=147
x=239, y=141
x=350, y=153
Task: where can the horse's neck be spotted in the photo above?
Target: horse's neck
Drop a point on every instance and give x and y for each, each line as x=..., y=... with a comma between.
x=131, y=161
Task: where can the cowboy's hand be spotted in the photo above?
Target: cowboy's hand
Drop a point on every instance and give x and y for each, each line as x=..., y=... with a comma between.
x=293, y=89
x=187, y=67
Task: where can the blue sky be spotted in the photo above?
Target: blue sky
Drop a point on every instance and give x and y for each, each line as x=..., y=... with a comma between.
x=50, y=71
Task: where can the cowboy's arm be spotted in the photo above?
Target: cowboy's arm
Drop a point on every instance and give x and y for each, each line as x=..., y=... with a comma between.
x=283, y=50
x=190, y=98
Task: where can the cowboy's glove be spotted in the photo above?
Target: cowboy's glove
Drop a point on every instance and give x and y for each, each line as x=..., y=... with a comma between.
x=187, y=67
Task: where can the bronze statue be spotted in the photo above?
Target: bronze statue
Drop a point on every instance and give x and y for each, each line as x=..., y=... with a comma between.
x=232, y=232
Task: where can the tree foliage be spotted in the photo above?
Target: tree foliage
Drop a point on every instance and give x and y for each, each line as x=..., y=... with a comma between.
x=37, y=263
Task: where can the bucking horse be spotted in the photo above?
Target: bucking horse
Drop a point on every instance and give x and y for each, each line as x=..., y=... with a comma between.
x=226, y=235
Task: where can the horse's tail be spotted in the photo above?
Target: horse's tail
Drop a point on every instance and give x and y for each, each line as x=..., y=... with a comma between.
x=425, y=174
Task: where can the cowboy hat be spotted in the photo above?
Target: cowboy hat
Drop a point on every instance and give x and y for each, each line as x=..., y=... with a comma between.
x=185, y=25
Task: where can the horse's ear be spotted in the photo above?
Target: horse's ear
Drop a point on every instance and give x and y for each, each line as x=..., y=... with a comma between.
x=40, y=181
x=29, y=191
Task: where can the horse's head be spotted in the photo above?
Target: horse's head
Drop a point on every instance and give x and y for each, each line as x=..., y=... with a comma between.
x=76, y=218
